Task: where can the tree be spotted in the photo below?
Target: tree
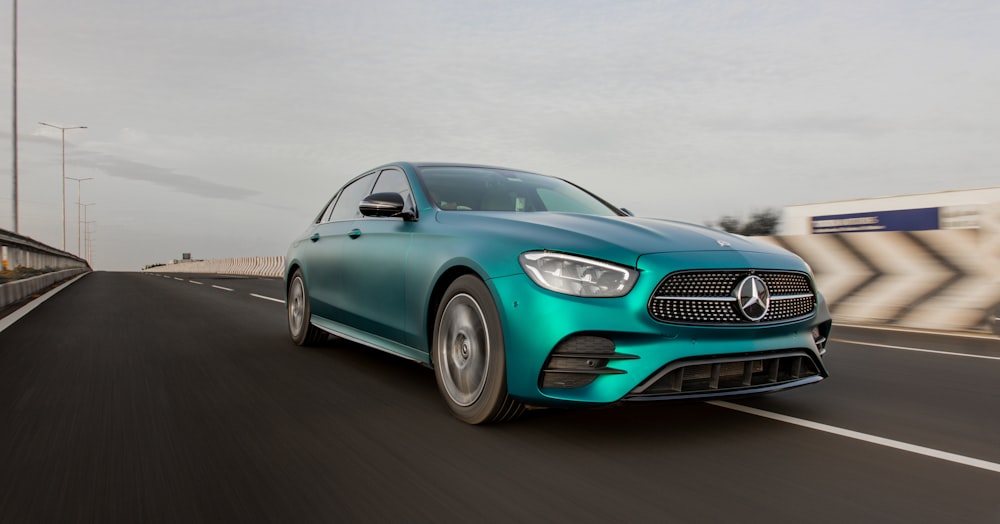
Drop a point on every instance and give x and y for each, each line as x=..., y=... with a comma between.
x=760, y=223
x=729, y=224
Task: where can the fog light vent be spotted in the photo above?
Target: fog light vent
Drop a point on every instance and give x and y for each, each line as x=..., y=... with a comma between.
x=579, y=360
x=821, y=335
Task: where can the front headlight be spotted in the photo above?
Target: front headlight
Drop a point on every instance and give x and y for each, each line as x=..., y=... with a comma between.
x=579, y=276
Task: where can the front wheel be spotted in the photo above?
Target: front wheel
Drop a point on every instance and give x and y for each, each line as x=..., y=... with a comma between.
x=303, y=333
x=468, y=352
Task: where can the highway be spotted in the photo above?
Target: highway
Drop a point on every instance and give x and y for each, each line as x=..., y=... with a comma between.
x=132, y=397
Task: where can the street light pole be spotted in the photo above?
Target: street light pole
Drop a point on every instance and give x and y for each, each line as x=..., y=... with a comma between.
x=88, y=250
x=78, y=203
x=63, y=129
x=86, y=228
x=90, y=242
x=14, y=119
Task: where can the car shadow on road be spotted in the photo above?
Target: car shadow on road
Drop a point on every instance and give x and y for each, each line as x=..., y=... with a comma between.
x=393, y=378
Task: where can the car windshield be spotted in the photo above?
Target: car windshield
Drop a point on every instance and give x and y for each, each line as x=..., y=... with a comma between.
x=486, y=189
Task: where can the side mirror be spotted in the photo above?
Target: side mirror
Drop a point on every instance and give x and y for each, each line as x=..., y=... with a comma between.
x=385, y=205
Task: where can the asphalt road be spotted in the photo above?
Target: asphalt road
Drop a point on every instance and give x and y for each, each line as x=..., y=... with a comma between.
x=140, y=398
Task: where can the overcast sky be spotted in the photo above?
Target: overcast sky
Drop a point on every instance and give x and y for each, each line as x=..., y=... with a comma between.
x=221, y=127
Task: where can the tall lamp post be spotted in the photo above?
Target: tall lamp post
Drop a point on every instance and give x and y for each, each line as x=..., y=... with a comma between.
x=14, y=118
x=86, y=228
x=63, y=129
x=79, y=181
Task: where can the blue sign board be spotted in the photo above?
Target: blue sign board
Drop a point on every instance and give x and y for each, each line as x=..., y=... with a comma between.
x=896, y=220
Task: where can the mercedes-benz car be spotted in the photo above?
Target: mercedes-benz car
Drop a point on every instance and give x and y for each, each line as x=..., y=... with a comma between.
x=520, y=289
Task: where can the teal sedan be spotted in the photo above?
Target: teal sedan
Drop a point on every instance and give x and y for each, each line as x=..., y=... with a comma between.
x=520, y=289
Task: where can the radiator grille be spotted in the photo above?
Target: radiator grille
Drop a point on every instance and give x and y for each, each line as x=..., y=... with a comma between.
x=710, y=297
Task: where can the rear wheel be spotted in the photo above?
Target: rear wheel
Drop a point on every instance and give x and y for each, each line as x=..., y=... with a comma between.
x=297, y=301
x=469, y=359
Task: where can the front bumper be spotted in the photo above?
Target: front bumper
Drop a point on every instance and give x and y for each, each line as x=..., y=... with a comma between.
x=649, y=353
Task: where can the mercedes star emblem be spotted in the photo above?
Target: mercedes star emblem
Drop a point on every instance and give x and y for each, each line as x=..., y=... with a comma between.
x=753, y=298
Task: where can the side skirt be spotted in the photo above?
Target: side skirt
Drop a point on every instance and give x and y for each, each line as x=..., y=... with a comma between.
x=367, y=339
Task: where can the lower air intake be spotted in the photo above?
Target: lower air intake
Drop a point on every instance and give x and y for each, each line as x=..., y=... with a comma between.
x=730, y=375
x=578, y=360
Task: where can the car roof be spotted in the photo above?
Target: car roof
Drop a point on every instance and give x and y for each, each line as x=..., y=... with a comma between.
x=419, y=165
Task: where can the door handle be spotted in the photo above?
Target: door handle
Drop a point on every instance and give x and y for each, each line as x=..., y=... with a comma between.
x=315, y=237
x=355, y=233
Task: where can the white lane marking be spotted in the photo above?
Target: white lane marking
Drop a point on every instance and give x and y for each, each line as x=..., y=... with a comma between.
x=222, y=288
x=165, y=276
x=903, y=348
x=267, y=298
x=9, y=320
x=195, y=282
x=881, y=441
x=179, y=279
x=921, y=331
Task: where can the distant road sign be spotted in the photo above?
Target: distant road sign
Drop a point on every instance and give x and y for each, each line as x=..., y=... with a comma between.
x=896, y=220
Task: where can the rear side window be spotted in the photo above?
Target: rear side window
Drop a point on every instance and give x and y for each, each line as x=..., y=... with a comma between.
x=325, y=215
x=346, y=207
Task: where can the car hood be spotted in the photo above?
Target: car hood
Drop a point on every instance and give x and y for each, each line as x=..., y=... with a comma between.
x=616, y=239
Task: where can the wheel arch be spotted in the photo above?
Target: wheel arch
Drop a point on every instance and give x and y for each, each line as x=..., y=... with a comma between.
x=437, y=294
x=292, y=268
x=491, y=401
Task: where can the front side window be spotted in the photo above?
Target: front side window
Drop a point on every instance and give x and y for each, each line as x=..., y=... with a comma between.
x=393, y=181
x=346, y=206
x=489, y=189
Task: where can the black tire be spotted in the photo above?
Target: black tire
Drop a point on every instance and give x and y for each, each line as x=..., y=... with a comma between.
x=468, y=355
x=302, y=332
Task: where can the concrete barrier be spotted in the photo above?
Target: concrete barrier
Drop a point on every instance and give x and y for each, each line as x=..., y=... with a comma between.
x=18, y=290
x=245, y=266
x=942, y=279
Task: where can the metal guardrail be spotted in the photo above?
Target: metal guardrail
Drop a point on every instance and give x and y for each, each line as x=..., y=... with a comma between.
x=18, y=251
x=30, y=266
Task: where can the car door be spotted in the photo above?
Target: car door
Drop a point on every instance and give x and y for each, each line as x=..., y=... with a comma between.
x=373, y=276
x=328, y=250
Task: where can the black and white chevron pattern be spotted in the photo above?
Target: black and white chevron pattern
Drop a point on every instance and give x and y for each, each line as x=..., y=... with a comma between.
x=943, y=279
